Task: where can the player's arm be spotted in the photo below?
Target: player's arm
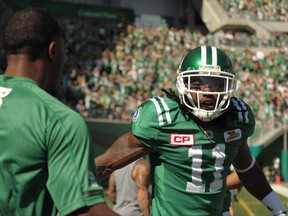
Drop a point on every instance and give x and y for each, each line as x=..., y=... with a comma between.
x=233, y=181
x=141, y=175
x=112, y=188
x=96, y=210
x=255, y=181
x=123, y=151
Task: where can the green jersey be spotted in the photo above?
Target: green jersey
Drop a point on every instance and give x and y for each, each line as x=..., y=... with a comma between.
x=46, y=159
x=190, y=160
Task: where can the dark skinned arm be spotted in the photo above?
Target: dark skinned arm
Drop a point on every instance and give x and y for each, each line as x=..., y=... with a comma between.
x=96, y=210
x=112, y=188
x=141, y=176
x=233, y=181
x=253, y=179
x=123, y=151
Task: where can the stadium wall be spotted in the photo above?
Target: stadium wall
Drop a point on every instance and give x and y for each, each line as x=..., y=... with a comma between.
x=125, y=15
x=104, y=133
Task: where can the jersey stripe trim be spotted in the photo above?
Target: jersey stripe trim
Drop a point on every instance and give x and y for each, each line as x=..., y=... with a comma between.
x=158, y=110
x=248, y=168
x=246, y=111
x=167, y=110
x=240, y=118
x=158, y=102
x=242, y=110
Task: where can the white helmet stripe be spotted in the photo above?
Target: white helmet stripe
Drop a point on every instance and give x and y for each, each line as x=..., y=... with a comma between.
x=203, y=55
x=214, y=55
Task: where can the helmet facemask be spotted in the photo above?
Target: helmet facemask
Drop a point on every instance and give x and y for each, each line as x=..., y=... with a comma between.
x=217, y=86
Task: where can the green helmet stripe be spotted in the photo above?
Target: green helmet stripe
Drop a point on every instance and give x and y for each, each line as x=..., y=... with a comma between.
x=209, y=56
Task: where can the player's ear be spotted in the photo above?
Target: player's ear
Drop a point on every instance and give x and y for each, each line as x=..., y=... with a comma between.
x=52, y=51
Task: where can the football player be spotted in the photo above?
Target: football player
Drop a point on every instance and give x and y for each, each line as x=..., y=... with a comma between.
x=46, y=162
x=192, y=137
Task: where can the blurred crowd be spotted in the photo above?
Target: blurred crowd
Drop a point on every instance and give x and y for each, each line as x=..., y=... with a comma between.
x=262, y=10
x=138, y=61
x=111, y=69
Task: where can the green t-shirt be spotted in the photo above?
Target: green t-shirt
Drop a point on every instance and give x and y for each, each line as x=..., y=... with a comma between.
x=190, y=161
x=46, y=157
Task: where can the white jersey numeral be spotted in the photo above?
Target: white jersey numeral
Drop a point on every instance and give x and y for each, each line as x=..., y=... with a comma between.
x=197, y=184
x=3, y=93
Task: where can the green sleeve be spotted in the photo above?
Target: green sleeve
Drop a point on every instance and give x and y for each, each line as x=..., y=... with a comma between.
x=72, y=182
x=145, y=124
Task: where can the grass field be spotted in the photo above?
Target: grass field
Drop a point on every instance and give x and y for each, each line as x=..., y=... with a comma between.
x=247, y=205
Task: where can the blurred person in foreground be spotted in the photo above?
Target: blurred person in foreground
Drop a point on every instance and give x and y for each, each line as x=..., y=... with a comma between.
x=129, y=189
x=192, y=138
x=46, y=160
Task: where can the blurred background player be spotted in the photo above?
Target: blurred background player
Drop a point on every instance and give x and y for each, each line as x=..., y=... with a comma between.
x=129, y=189
x=192, y=138
x=46, y=158
x=232, y=183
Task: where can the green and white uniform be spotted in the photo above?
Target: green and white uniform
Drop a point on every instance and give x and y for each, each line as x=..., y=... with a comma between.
x=190, y=161
x=46, y=159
